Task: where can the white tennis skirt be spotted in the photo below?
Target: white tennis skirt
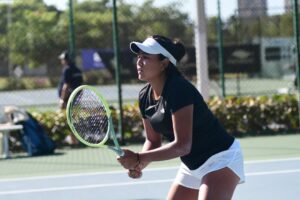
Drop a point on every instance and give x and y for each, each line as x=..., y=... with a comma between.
x=231, y=158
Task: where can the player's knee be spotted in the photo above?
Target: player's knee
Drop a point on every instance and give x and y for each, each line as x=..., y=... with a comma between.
x=212, y=192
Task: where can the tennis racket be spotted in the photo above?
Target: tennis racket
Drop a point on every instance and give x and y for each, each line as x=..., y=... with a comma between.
x=89, y=118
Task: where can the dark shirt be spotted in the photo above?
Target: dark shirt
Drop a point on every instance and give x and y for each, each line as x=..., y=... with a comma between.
x=209, y=136
x=72, y=76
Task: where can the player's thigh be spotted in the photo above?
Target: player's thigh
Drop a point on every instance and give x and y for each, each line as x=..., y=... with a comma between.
x=218, y=185
x=179, y=192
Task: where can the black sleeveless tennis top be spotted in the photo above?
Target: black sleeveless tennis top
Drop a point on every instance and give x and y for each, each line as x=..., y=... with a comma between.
x=209, y=136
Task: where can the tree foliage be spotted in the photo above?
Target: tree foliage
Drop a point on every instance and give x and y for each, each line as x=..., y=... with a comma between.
x=38, y=33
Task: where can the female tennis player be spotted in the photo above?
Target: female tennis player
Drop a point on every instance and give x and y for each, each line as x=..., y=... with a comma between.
x=212, y=160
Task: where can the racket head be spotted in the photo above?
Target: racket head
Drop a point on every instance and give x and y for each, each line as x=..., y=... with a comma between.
x=89, y=116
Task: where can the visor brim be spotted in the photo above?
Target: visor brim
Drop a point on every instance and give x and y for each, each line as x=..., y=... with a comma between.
x=136, y=47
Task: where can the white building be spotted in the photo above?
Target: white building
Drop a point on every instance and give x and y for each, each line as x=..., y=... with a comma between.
x=253, y=8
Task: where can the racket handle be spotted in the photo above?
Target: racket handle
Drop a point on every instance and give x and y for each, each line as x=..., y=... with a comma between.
x=117, y=150
x=120, y=152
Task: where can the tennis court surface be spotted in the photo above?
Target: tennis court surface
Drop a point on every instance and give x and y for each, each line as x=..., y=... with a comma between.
x=272, y=172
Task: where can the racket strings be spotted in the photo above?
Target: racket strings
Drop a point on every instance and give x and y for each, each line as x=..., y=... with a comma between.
x=89, y=117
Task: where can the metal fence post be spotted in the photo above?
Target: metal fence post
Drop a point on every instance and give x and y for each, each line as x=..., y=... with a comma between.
x=117, y=69
x=71, y=32
x=220, y=52
x=297, y=51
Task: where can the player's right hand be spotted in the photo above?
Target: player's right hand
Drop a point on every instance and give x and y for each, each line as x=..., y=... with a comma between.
x=129, y=160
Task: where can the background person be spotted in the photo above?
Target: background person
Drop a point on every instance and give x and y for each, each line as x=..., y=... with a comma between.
x=212, y=160
x=71, y=78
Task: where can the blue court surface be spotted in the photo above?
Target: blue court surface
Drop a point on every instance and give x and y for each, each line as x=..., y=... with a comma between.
x=265, y=180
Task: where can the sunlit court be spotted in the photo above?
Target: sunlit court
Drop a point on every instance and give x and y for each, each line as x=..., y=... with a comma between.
x=148, y=99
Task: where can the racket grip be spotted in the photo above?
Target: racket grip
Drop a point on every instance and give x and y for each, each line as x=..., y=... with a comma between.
x=120, y=152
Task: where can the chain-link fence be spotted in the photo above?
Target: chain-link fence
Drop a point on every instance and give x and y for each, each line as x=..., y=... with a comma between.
x=259, y=49
x=34, y=34
x=258, y=44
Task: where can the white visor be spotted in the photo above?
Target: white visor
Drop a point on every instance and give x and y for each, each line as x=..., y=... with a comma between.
x=151, y=46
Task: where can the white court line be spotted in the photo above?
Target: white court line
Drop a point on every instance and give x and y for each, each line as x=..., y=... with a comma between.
x=273, y=172
x=272, y=160
x=81, y=187
x=122, y=172
x=80, y=174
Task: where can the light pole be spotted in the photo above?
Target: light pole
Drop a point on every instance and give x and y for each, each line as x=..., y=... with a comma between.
x=201, y=50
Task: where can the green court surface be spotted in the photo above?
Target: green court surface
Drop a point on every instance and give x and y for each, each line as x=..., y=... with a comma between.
x=90, y=160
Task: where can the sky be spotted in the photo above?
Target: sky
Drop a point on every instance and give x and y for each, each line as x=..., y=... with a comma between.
x=227, y=6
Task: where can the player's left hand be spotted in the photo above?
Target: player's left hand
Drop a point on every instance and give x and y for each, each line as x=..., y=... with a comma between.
x=135, y=173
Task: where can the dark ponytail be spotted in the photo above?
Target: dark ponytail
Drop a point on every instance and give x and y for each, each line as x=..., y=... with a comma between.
x=176, y=48
x=179, y=50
